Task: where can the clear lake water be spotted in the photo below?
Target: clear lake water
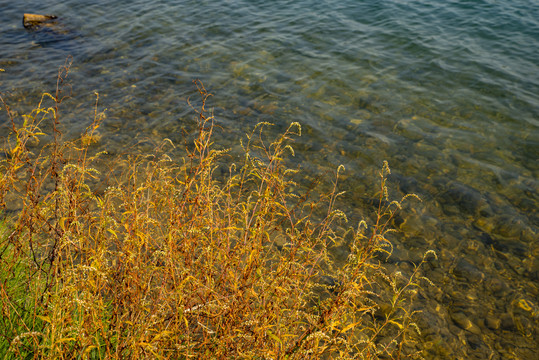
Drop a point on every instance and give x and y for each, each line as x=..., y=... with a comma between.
x=446, y=91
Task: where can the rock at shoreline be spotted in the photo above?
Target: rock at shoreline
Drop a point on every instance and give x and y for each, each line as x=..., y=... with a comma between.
x=33, y=21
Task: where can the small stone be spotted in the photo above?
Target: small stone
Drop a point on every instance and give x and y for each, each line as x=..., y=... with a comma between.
x=497, y=286
x=493, y=322
x=437, y=276
x=464, y=323
x=398, y=255
x=384, y=309
x=409, y=130
x=510, y=226
x=467, y=272
x=507, y=322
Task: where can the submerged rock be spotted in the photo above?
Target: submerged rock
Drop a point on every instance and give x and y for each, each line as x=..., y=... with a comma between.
x=507, y=322
x=510, y=226
x=458, y=196
x=465, y=323
x=465, y=271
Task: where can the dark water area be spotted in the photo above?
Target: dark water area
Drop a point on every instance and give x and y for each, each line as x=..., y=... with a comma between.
x=445, y=91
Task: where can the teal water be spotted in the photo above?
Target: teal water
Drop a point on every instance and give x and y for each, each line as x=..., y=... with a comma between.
x=446, y=91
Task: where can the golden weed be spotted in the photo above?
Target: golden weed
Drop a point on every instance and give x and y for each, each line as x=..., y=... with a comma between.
x=164, y=261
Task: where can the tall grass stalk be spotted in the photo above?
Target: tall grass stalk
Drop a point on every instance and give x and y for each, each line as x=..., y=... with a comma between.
x=161, y=259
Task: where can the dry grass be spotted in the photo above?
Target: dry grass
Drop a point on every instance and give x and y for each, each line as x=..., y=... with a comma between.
x=167, y=262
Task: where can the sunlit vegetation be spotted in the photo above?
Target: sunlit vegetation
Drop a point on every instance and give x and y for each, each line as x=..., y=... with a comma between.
x=154, y=257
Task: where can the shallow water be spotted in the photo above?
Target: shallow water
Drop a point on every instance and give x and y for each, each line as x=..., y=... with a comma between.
x=446, y=91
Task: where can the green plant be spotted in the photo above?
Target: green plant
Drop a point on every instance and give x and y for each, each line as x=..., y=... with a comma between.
x=164, y=260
